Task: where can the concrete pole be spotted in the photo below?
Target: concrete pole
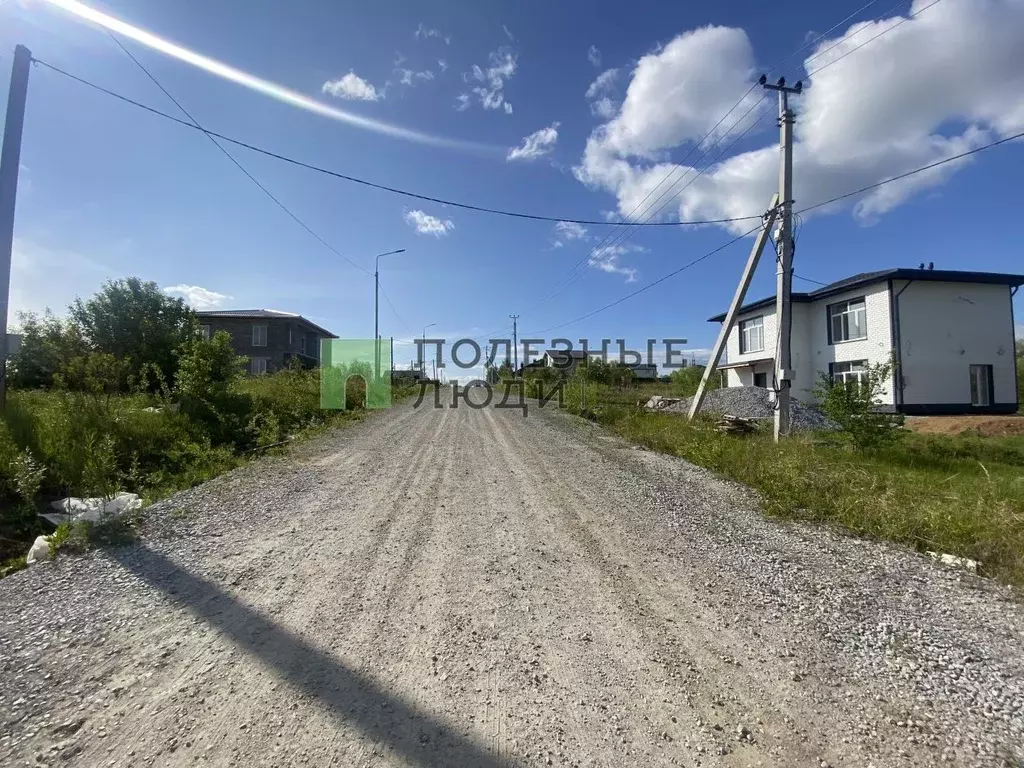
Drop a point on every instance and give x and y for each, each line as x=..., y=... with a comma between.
x=376, y=320
x=784, y=272
x=10, y=160
x=515, y=342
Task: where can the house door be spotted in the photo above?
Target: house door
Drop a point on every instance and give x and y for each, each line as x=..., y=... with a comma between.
x=981, y=385
x=761, y=380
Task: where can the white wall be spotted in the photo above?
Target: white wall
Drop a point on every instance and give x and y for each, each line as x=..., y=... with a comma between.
x=876, y=348
x=809, y=348
x=732, y=347
x=945, y=328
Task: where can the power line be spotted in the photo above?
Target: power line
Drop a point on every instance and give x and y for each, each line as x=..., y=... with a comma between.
x=855, y=192
x=576, y=274
x=650, y=285
x=234, y=160
x=874, y=37
x=394, y=311
x=922, y=169
x=820, y=37
x=371, y=184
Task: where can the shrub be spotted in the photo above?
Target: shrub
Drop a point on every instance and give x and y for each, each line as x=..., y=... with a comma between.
x=854, y=407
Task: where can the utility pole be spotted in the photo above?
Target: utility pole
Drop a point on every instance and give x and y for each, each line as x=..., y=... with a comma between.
x=10, y=159
x=515, y=341
x=376, y=311
x=784, y=270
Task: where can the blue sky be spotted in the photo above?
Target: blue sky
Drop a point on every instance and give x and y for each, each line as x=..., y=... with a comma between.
x=107, y=190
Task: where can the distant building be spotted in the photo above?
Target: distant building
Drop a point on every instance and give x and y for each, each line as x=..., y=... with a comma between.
x=269, y=338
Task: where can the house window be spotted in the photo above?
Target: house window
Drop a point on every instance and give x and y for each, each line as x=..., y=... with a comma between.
x=259, y=335
x=289, y=335
x=302, y=344
x=847, y=321
x=981, y=385
x=761, y=380
x=853, y=372
x=259, y=365
x=205, y=329
x=752, y=335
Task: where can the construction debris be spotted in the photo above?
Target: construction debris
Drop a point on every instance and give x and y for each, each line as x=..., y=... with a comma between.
x=735, y=425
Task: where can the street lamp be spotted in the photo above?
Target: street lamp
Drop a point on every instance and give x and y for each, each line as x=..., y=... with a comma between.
x=376, y=310
x=423, y=342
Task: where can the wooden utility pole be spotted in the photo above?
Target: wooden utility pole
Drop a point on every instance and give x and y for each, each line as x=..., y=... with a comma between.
x=784, y=270
x=10, y=160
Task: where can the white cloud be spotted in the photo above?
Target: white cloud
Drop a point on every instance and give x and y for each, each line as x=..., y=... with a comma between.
x=353, y=87
x=604, y=108
x=537, y=144
x=442, y=64
x=197, y=297
x=934, y=92
x=602, y=83
x=491, y=94
x=594, y=56
x=570, y=230
x=409, y=77
x=507, y=33
x=425, y=224
x=463, y=105
x=607, y=259
x=423, y=32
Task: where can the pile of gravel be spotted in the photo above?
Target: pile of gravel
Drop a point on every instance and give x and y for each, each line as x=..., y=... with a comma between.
x=755, y=403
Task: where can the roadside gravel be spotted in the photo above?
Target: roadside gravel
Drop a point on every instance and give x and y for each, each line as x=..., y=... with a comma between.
x=469, y=587
x=754, y=403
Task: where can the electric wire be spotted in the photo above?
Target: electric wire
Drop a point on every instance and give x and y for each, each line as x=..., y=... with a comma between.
x=371, y=184
x=234, y=160
x=855, y=192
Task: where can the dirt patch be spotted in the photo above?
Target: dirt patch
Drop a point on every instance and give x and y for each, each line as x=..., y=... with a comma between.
x=985, y=426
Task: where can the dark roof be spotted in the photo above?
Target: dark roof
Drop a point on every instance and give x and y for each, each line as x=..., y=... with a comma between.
x=869, y=278
x=578, y=354
x=262, y=314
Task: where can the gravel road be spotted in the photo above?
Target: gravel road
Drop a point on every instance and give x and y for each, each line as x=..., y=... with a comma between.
x=463, y=587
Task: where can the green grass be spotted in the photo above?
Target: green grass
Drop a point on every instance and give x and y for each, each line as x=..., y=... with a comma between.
x=963, y=495
x=95, y=445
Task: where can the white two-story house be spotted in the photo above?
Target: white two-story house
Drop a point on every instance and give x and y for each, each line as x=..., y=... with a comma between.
x=949, y=335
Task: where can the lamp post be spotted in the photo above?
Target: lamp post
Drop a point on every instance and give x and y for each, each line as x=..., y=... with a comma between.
x=376, y=311
x=423, y=342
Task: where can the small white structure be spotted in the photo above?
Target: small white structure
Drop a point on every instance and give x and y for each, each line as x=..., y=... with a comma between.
x=949, y=334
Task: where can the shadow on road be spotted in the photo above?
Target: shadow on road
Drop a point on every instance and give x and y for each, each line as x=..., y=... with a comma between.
x=350, y=697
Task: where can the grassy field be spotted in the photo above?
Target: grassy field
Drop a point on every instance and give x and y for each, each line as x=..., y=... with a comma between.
x=960, y=494
x=57, y=443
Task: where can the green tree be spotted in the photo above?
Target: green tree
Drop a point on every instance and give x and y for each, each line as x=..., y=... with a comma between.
x=686, y=380
x=49, y=343
x=208, y=369
x=134, y=320
x=853, y=405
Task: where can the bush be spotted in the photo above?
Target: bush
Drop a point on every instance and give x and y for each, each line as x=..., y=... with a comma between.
x=854, y=407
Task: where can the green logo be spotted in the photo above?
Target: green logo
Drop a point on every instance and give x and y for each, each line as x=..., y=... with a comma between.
x=355, y=365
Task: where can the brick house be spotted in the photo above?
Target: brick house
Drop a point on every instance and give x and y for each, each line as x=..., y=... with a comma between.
x=269, y=338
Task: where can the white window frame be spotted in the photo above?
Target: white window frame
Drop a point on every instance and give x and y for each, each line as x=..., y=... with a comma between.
x=844, y=311
x=745, y=329
x=302, y=344
x=850, y=371
x=258, y=365
x=981, y=397
x=205, y=330
x=259, y=335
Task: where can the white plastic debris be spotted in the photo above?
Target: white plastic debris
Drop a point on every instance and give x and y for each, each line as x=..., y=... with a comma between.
x=40, y=550
x=73, y=509
x=956, y=562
